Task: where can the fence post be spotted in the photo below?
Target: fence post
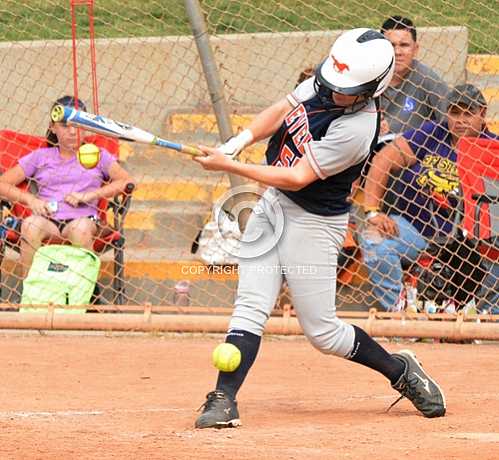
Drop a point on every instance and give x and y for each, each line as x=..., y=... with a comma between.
x=215, y=88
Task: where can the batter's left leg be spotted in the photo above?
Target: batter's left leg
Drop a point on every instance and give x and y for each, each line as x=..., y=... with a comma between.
x=313, y=293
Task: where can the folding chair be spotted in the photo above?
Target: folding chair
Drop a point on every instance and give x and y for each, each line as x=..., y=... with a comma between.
x=478, y=167
x=450, y=270
x=13, y=146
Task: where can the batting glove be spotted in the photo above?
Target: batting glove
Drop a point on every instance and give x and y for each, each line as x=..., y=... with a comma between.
x=235, y=144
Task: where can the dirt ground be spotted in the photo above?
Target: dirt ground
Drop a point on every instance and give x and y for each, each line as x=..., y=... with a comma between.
x=135, y=397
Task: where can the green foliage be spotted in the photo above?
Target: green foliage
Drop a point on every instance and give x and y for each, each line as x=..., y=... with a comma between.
x=51, y=19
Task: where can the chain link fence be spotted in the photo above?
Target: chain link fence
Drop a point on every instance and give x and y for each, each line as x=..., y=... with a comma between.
x=150, y=74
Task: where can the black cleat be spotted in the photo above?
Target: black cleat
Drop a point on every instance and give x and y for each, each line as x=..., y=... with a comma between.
x=218, y=412
x=418, y=387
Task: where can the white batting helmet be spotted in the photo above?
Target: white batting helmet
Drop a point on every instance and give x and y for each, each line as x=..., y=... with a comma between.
x=360, y=63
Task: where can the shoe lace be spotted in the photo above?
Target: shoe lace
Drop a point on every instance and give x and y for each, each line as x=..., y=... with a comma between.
x=211, y=399
x=394, y=403
x=409, y=391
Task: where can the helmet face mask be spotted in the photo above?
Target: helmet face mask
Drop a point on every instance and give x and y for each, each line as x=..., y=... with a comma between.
x=325, y=94
x=360, y=63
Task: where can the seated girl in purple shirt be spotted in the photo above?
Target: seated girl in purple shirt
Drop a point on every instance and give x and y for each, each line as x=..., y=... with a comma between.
x=66, y=202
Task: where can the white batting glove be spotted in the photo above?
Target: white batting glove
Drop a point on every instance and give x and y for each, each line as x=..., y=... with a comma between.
x=235, y=144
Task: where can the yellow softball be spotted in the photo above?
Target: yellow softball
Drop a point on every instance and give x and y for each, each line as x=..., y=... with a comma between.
x=89, y=155
x=57, y=113
x=226, y=357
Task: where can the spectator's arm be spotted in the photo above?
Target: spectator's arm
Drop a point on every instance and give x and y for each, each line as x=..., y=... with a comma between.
x=8, y=186
x=10, y=192
x=394, y=156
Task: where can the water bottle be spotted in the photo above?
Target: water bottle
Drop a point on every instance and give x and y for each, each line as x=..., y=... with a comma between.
x=181, y=296
x=411, y=294
x=52, y=205
x=430, y=307
x=470, y=308
x=401, y=302
x=449, y=307
x=412, y=298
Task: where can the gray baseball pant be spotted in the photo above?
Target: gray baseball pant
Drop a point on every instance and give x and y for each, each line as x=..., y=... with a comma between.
x=306, y=255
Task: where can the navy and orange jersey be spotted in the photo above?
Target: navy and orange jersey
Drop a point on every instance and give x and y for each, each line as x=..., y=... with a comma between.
x=337, y=142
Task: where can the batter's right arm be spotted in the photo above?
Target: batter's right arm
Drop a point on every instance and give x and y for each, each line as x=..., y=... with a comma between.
x=268, y=121
x=263, y=125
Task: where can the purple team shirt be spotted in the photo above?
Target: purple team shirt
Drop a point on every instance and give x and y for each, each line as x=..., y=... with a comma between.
x=56, y=177
x=435, y=171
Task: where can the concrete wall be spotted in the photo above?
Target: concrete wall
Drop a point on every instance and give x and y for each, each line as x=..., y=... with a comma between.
x=141, y=80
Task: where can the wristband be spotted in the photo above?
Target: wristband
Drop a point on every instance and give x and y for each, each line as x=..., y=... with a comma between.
x=235, y=144
x=372, y=214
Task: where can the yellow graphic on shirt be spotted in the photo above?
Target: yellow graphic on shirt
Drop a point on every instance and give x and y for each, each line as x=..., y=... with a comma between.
x=439, y=174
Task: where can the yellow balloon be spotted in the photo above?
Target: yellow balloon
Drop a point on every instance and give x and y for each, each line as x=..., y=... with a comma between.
x=89, y=155
x=226, y=357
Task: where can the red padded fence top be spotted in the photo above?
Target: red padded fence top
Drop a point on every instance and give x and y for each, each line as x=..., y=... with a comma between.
x=477, y=158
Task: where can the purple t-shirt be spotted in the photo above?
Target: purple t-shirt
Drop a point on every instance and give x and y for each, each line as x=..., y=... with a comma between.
x=57, y=177
x=435, y=171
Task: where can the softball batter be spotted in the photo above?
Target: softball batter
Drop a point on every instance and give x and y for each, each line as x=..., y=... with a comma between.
x=322, y=134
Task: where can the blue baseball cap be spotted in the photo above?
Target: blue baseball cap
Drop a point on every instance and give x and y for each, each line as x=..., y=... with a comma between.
x=467, y=95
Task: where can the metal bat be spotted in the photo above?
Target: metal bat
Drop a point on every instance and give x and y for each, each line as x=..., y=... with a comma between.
x=108, y=127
